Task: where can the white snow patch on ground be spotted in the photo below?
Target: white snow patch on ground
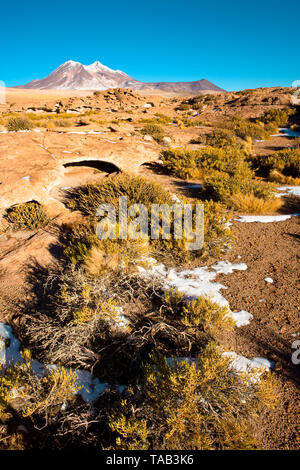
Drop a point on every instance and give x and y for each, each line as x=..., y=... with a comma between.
x=75, y=132
x=289, y=190
x=91, y=387
x=242, y=364
x=193, y=283
x=10, y=354
x=84, y=132
x=265, y=218
x=239, y=363
x=225, y=267
x=198, y=282
x=286, y=132
x=241, y=318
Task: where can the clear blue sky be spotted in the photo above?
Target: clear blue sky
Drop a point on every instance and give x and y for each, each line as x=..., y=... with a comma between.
x=235, y=44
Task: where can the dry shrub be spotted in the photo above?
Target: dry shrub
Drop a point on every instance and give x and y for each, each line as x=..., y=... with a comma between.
x=88, y=198
x=278, y=116
x=156, y=131
x=78, y=315
x=245, y=128
x=203, y=313
x=28, y=216
x=251, y=204
x=277, y=177
x=82, y=247
x=19, y=124
x=137, y=190
x=11, y=441
x=286, y=161
x=97, y=262
x=193, y=405
x=62, y=123
x=33, y=397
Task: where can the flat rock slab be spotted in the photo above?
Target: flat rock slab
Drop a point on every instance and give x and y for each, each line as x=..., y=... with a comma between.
x=32, y=163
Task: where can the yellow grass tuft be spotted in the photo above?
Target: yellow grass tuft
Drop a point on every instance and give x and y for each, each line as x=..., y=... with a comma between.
x=98, y=262
x=251, y=204
x=277, y=177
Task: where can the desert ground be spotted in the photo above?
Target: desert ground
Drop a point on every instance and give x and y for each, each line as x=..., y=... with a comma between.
x=86, y=137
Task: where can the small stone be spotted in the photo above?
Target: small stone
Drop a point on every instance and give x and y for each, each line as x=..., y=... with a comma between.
x=167, y=141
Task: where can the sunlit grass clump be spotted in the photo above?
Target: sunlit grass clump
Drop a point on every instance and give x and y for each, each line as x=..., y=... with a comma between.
x=250, y=204
x=19, y=124
x=27, y=216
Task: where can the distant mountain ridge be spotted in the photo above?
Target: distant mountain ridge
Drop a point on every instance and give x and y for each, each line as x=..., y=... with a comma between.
x=75, y=76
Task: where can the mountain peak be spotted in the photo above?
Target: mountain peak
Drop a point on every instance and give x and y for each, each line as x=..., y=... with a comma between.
x=73, y=75
x=70, y=63
x=98, y=67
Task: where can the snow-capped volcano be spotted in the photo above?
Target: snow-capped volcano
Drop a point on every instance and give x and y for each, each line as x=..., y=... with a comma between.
x=75, y=76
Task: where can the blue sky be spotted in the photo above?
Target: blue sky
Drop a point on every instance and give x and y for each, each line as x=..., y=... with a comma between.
x=235, y=44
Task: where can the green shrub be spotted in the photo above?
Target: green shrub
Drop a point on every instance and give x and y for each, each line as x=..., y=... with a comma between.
x=186, y=163
x=138, y=190
x=224, y=171
x=181, y=162
x=217, y=235
x=19, y=124
x=27, y=216
x=87, y=199
x=39, y=398
x=202, y=312
x=157, y=119
x=163, y=119
x=286, y=161
x=220, y=185
x=198, y=405
x=155, y=131
x=217, y=138
x=279, y=117
x=244, y=128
